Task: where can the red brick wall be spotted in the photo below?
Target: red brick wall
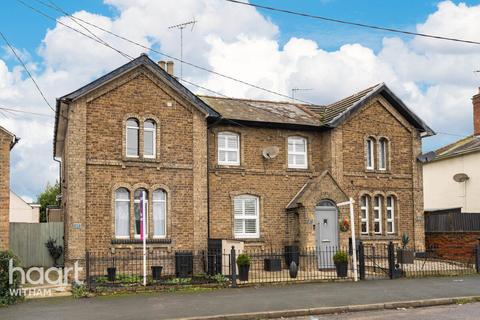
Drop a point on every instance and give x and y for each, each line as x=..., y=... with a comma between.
x=453, y=245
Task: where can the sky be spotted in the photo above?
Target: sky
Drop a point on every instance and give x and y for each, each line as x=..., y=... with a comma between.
x=273, y=50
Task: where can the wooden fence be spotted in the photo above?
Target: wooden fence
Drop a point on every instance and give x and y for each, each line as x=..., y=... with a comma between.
x=27, y=241
x=452, y=222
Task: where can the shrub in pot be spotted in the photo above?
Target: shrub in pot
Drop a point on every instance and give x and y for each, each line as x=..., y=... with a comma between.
x=340, y=259
x=243, y=262
x=404, y=255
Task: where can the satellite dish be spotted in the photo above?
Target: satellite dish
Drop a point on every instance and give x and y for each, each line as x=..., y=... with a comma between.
x=270, y=152
x=461, y=177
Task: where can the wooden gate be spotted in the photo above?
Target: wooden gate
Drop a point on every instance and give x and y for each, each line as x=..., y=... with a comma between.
x=27, y=241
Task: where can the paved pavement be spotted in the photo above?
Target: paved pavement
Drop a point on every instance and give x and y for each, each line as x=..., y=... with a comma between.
x=242, y=300
x=454, y=312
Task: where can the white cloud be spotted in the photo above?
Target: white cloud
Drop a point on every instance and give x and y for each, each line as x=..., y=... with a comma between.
x=433, y=77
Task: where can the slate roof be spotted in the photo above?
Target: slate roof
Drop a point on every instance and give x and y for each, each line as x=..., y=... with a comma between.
x=263, y=111
x=463, y=146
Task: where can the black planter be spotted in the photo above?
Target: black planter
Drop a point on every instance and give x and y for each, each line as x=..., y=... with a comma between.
x=243, y=272
x=111, y=273
x=342, y=269
x=405, y=256
x=293, y=270
x=292, y=253
x=156, y=272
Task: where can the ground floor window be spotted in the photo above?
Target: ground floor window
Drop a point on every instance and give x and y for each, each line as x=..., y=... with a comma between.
x=140, y=208
x=246, y=216
x=159, y=213
x=122, y=207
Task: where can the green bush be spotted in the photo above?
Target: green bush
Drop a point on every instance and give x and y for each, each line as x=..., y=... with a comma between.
x=243, y=260
x=219, y=278
x=79, y=290
x=340, y=257
x=405, y=240
x=5, y=297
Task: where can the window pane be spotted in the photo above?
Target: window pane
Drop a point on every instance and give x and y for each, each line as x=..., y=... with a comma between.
x=159, y=195
x=300, y=146
x=250, y=226
x=121, y=218
x=238, y=204
x=149, y=143
x=149, y=124
x=299, y=159
x=377, y=227
x=132, y=142
x=232, y=142
x=290, y=146
x=222, y=156
x=390, y=227
x=222, y=142
x=238, y=226
x=122, y=194
x=250, y=207
x=232, y=156
x=364, y=227
x=132, y=123
x=159, y=209
x=291, y=159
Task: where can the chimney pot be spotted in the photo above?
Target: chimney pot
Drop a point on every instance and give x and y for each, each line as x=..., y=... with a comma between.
x=476, y=113
x=162, y=64
x=170, y=67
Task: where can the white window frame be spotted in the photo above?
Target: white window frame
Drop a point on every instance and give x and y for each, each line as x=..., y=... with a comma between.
x=364, y=208
x=295, y=141
x=166, y=213
x=154, y=139
x=382, y=154
x=377, y=208
x=137, y=128
x=228, y=135
x=128, y=215
x=370, y=151
x=391, y=210
x=243, y=217
x=145, y=212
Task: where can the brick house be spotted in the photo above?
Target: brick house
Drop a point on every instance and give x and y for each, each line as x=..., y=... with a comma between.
x=7, y=142
x=267, y=173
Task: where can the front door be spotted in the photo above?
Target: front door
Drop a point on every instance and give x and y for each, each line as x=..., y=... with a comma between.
x=326, y=233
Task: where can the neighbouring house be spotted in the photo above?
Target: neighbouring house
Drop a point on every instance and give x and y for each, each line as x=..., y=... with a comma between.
x=21, y=211
x=7, y=142
x=266, y=173
x=452, y=189
x=452, y=173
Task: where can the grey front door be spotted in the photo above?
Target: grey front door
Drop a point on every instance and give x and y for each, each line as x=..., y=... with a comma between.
x=326, y=233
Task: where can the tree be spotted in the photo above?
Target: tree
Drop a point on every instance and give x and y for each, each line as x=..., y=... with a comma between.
x=48, y=197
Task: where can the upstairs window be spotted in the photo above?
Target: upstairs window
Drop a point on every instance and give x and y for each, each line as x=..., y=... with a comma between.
x=390, y=214
x=364, y=200
x=140, y=208
x=122, y=213
x=377, y=215
x=159, y=213
x=297, y=153
x=149, y=133
x=369, y=149
x=382, y=154
x=133, y=129
x=228, y=148
x=246, y=217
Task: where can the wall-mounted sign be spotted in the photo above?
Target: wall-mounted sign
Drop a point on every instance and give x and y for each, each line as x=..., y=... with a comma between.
x=77, y=226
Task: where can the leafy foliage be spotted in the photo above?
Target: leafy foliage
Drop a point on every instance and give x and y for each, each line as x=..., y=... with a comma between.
x=243, y=259
x=340, y=257
x=405, y=240
x=219, y=278
x=5, y=297
x=48, y=197
x=55, y=250
x=79, y=290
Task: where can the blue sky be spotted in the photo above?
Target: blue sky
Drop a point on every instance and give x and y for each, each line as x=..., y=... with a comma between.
x=274, y=50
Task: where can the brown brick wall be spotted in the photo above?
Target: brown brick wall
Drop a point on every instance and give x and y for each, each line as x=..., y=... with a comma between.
x=453, y=245
x=476, y=114
x=5, y=141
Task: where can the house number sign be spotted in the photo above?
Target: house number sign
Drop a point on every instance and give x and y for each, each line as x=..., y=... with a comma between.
x=77, y=226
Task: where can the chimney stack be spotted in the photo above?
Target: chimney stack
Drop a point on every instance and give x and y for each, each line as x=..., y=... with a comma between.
x=476, y=113
x=162, y=64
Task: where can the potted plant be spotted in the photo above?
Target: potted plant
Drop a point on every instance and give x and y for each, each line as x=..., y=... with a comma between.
x=112, y=271
x=340, y=259
x=404, y=255
x=55, y=250
x=243, y=262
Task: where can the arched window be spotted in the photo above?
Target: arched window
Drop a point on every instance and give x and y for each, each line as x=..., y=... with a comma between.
x=364, y=204
x=140, y=208
x=122, y=213
x=149, y=139
x=390, y=214
x=228, y=148
x=297, y=153
x=159, y=213
x=132, y=137
x=369, y=149
x=382, y=153
x=377, y=214
x=246, y=217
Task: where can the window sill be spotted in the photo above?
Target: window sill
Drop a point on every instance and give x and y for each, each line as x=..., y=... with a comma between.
x=379, y=237
x=139, y=241
x=229, y=167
